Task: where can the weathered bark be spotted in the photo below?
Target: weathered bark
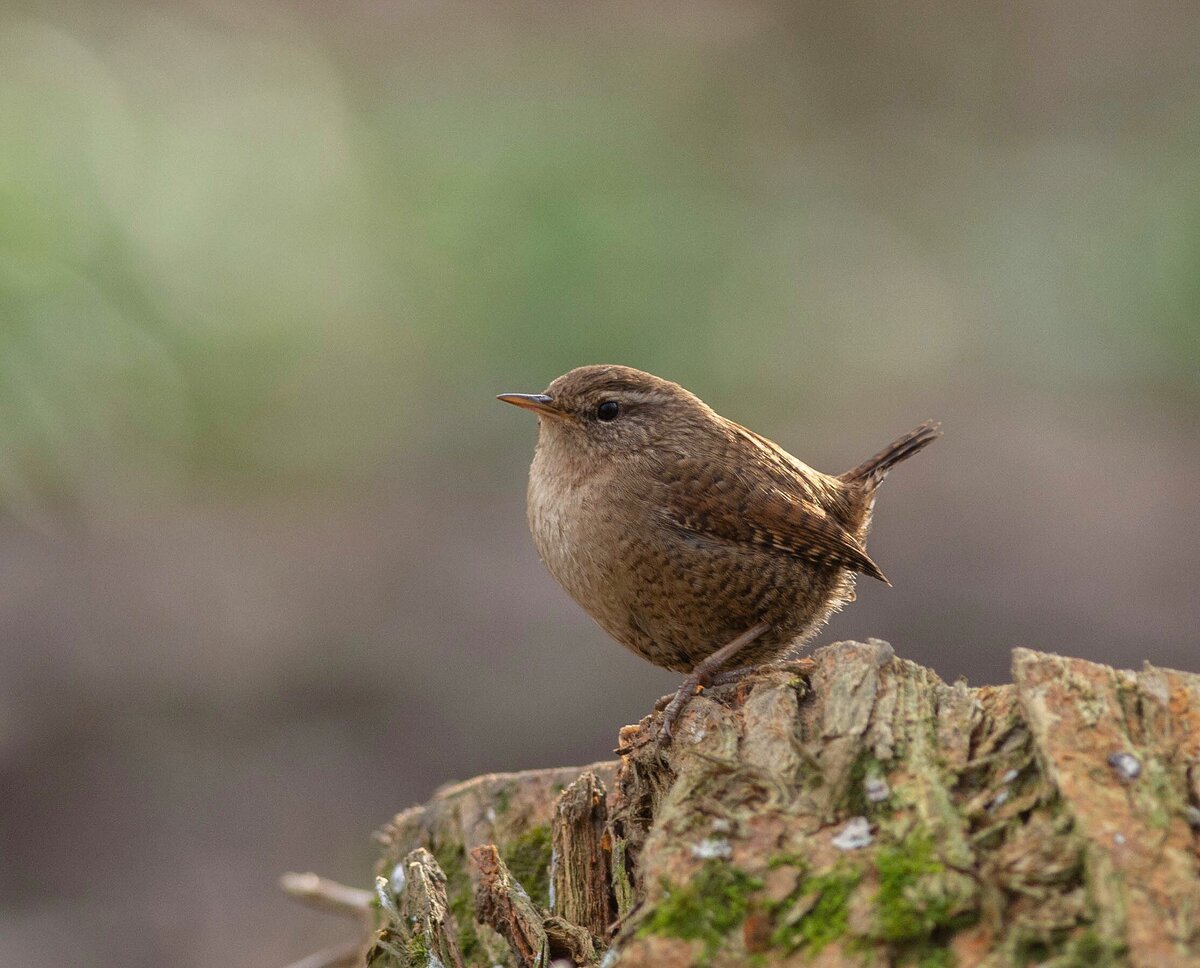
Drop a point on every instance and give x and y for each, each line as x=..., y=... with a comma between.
x=418, y=925
x=502, y=904
x=579, y=866
x=848, y=809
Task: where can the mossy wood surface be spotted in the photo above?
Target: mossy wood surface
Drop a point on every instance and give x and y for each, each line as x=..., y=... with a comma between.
x=847, y=809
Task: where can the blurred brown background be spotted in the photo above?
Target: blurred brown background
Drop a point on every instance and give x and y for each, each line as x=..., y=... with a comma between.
x=265, y=572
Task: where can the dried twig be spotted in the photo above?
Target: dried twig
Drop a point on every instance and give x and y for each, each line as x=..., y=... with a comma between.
x=326, y=894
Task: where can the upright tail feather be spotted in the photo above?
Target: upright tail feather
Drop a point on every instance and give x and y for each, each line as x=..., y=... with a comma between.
x=872, y=471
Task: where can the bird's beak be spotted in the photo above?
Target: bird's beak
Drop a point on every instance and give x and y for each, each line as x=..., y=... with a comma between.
x=539, y=403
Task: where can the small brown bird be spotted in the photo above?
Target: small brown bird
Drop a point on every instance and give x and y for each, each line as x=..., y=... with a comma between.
x=690, y=539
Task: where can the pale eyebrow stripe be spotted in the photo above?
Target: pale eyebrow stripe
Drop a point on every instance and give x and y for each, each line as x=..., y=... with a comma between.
x=636, y=396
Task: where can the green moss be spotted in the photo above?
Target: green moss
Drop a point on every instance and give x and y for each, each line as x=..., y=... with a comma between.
x=797, y=861
x=1089, y=950
x=462, y=900
x=829, y=915
x=1157, y=795
x=917, y=910
x=416, y=952
x=623, y=889
x=388, y=951
x=909, y=910
x=502, y=799
x=1085, y=949
x=854, y=801
x=1032, y=951
x=936, y=958
x=528, y=857
x=707, y=909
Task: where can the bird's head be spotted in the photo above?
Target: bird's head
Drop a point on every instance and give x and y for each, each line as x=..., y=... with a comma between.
x=609, y=411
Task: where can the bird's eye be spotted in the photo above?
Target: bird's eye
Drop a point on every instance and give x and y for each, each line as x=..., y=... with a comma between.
x=608, y=410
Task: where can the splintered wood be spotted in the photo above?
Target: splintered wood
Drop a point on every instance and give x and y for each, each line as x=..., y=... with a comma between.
x=502, y=903
x=418, y=922
x=579, y=864
x=848, y=809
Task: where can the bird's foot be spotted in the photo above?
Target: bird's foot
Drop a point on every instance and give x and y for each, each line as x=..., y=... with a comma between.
x=692, y=686
x=705, y=674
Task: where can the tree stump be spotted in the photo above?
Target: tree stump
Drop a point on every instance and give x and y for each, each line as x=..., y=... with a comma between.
x=846, y=809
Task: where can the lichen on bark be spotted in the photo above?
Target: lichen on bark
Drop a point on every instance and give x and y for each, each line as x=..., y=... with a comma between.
x=846, y=809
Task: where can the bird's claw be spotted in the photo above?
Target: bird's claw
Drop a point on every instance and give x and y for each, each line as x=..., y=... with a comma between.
x=691, y=687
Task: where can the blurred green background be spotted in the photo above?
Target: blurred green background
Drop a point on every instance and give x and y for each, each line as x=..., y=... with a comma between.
x=263, y=266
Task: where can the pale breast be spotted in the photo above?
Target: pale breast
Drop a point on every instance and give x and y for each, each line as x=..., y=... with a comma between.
x=578, y=544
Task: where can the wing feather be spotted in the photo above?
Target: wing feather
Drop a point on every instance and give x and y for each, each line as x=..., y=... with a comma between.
x=753, y=494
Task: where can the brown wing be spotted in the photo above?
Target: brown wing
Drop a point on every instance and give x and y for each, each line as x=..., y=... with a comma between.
x=753, y=493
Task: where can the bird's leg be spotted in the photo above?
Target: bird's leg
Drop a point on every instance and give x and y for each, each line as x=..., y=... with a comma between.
x=702, y=675
x=730, y=676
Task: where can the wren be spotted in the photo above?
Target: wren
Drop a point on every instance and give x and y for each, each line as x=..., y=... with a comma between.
x=691, y=540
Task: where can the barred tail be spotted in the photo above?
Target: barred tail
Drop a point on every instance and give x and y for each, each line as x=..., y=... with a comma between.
x=872, y=471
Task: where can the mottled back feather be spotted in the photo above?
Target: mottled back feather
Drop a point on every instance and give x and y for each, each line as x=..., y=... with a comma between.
x=751, y=495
